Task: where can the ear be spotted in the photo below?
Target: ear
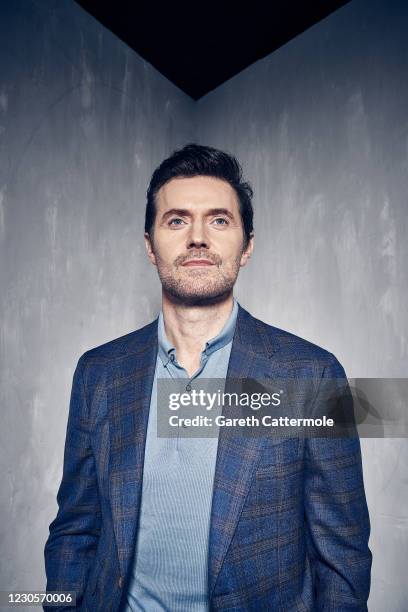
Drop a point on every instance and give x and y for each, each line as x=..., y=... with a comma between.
x=149, y=248
x=248, y=251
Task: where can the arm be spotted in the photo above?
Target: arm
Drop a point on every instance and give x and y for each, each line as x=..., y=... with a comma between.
x=336, y=514
x=74, y=533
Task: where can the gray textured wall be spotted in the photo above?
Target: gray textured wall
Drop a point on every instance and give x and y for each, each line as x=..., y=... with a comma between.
x=321, y=128
x=83, y=122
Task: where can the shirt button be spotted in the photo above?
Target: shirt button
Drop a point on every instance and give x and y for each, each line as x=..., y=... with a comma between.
x=188, y=388
x=120, y=582
x=172, y=357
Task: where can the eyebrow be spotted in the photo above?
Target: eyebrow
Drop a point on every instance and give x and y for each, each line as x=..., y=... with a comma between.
x=183, y=212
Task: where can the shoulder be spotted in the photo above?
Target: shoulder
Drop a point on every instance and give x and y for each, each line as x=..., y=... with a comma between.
x=124, y=346
x=289, y=347
x=96, y=365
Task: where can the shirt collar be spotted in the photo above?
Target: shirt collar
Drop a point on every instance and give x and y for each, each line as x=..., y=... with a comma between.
x=166, y=348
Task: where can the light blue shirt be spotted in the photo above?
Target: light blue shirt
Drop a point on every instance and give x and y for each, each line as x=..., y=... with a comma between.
x=170, y=571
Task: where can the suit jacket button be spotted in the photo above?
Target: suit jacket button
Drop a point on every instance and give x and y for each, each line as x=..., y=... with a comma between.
x=120, y=582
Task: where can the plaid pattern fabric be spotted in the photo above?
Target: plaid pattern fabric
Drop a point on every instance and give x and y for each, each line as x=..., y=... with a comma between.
x=289, y=521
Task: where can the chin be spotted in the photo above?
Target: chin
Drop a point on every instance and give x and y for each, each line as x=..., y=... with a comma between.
x=198, y=296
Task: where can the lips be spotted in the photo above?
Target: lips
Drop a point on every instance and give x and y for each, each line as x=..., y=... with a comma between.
x=198, y=262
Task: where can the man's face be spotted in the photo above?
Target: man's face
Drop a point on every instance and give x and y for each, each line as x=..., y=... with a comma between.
x=198, y=239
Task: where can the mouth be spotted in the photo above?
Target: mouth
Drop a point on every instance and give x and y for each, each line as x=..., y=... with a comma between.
x=197, y=262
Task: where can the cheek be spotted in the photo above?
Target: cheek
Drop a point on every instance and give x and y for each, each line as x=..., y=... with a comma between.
x=234, y=256
x=229, y=247
x=165, y=251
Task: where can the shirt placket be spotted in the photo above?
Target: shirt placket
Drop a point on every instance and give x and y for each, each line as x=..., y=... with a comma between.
x=176, y=371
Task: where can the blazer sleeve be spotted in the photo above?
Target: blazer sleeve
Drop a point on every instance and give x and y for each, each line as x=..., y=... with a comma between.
x=74, y=533
x=336, y=513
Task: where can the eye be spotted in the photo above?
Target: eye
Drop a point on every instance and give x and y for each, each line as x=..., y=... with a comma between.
x=224, y=221
x=176, y=219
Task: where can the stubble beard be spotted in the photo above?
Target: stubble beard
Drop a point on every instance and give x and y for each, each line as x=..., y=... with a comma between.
x=197, y=286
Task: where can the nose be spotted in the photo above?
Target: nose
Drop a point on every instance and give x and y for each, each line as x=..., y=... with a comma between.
x=197, y=236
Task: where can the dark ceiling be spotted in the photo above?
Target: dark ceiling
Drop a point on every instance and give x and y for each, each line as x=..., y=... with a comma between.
x=199, y=45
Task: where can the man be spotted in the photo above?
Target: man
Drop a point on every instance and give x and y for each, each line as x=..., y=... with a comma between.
x=218, y=523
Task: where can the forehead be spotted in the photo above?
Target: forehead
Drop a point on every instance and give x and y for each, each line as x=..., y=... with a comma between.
x=197, y=191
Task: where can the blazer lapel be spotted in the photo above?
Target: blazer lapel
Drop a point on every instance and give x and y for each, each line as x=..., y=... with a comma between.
x=129, y=400
x=237, y=455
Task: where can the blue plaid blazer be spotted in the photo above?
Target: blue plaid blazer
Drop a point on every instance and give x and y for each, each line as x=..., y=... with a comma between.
x=289, y=522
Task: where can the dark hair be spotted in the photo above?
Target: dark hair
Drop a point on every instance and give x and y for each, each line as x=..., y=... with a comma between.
x=199, y=160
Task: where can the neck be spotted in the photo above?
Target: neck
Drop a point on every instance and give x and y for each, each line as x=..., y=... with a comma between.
x=188, y=328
